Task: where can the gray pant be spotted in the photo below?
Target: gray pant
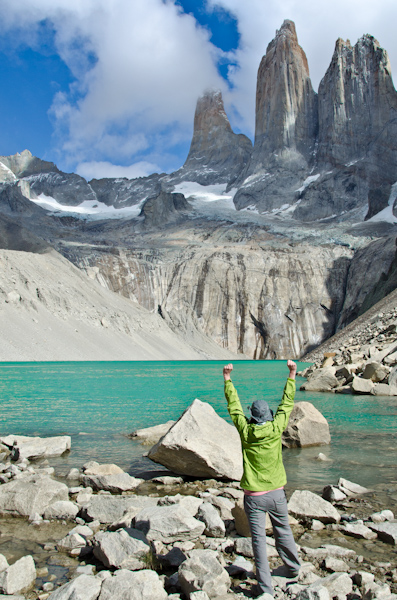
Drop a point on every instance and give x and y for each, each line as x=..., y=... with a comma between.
x=256, y=507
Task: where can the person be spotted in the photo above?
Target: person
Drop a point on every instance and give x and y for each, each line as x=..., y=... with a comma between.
x=264, y=476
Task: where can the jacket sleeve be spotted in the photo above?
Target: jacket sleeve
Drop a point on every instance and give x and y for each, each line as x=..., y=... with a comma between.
x=235, y=410
x=286, y=405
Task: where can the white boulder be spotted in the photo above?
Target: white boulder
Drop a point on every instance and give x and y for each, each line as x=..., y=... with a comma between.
x=308, y=505
x=18, y=577
x=306, y=427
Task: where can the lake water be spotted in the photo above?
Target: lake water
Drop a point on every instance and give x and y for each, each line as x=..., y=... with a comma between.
x=98, y=403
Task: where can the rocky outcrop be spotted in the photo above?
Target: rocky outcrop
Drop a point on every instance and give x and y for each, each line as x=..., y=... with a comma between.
x=201, y=444
x=163, y=208
x=217, y=154
x=122, y=192
x=24, y=164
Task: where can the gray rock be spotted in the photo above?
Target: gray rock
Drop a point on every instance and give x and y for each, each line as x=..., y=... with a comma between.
x=387, y=532
x=375, y=371
x=362, y=577
x=240, y=566
x=84, y=587
x=168, y=524
x=36, y=447
x=94, y=468
x=333, y=494
x=18, y=577
x=322, y=380
x=350, y=488
x=117, y=483
x=384, y=389
x=201, y=444
x=374, y=590
x=199, y=596
x=63, y=509
x=214, y=526
x=32, y=494
x=202, y=571
x=128, y=585
x=336, y=565
x=306, y=427
x=339, y=585
x=362, y=386
x=108, y=509
x=3, y=562
x=306, y=504
x=359, y=530
x=71, y=541
x=243, y=546
x=151, y=435
x=168, y=480
x=309, y=593
x=123, y=549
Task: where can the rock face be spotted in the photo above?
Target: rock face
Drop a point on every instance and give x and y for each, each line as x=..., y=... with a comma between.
x=357, y=113
x=201, y=444
x=163, y=208
x=306, y=427
x=286, y=125
x=217, y=154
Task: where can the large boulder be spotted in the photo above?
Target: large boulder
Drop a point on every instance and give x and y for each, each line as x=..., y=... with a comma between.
x=31, y=494
x=375, y=371
x=321, y=380
x=128, y=585
x=122, y=549
x=362, y=386
x=83, y=587
x=201, y=444
x=63, y=509
x=214, y=526
x=36, y=447
x=168, y=524
x=116, y=483
x=18, y=577
x=305, y=504
x=306, y=427
x=108, y=509
x=202, y=571
x=387, y=532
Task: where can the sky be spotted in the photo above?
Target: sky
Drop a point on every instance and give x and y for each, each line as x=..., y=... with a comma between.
x=108, y=88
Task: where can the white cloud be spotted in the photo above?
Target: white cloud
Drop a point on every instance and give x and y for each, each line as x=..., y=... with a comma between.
x=139, y=65
x=101, y=169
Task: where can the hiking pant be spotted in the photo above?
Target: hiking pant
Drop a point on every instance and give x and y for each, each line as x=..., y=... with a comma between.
x=256, y=507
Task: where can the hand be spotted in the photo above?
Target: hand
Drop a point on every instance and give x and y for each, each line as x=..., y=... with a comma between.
x=227, y=369
x=292, y=369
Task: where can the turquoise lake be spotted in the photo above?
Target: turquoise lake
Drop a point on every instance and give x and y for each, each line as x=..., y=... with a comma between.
x=98, y=403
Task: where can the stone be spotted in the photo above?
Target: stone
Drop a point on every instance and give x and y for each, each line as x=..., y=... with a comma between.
x=338, y=585
x=322, y=380
x=201, y=444
x=375, y=371
x=309, y=593
x=333, y=494
x=63, y=509
x=374, y=590
x=32, y=494
x=387, y=532
x=128, y=585
x=240, y=566
x=350, y=488
x=71, y=541
x=240, y=519
x=306, y=504
x=168, y=480
x=306, y=427
x=359, y=530
x=317, y=525
x=214, y=526
x=36, y=447
x=198, y=596
x=243, y=546
x=151, y=435
x=223, y=505
x=94, y=468
x=173, y=558
x=202, y=571
x=362, y=578
x=384, y=389
x=83, y=587
x=18, y=577
x=168, y=524
x=123, y=549
x=108, y=509
x=3, y=562
x=336, y=565
x=362, y=386
x=115, y=483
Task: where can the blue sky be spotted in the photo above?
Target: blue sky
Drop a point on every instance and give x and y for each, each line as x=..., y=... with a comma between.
x=109, y=87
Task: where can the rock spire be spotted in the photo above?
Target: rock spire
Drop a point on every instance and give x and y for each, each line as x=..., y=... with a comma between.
x=217, y=154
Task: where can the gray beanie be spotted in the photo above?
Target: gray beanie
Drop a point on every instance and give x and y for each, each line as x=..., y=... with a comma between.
x=260, y=411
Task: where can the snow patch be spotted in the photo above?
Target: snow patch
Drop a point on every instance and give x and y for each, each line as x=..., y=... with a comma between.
x=307, y=182
x=90, y=209
x=387, y=213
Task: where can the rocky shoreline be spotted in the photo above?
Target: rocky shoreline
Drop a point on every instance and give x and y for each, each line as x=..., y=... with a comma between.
x=100, y=533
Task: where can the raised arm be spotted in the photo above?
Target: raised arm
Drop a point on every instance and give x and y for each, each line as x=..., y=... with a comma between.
x=287, y=401
x=233, y=402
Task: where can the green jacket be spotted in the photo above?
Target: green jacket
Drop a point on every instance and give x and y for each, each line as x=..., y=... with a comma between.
x=261, y=444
